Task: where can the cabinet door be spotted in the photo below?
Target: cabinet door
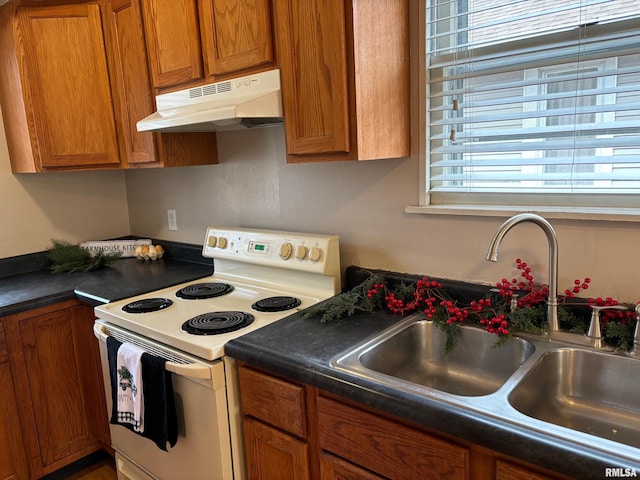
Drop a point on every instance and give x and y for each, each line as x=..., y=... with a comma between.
x=56, y=363
x=345, y=78
x=274, y=454
x=12, y=461
x=173, y=41
x=236, y=35
x=311, y=38
x=68, y=84
x=130, y=80
x=13, y=464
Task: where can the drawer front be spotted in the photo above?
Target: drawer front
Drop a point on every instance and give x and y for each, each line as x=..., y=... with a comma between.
x=509, y=471
x=274, y=401
x=386, y=447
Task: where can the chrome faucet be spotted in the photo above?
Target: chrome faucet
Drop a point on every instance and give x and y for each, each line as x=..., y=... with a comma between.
x=492, y=256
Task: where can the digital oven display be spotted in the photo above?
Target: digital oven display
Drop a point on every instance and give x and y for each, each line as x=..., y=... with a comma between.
x=259, y=247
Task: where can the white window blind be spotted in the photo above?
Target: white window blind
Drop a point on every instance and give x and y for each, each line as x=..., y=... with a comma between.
x=533, y=97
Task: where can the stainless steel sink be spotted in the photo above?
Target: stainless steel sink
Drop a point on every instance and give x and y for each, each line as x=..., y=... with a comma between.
x=583, y=390
x=537, y=383
x=412, y=353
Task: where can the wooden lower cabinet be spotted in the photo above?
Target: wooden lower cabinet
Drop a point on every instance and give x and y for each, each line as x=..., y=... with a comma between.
x=295, y=431
x=335, y=468
x=388, y=448
x=273, y=454
x=56, y=376
x=509, y=471
x=13, y=464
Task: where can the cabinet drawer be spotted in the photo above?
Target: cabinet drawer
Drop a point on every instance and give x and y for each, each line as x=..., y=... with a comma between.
x=509, y=471
x=274, y=401
x=386, y=447
x=334, y=468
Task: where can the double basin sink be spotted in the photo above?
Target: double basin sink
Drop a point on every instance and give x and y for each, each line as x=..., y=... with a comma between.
x=573, y=393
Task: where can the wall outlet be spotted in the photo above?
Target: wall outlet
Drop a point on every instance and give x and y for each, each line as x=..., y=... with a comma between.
x=172, y=220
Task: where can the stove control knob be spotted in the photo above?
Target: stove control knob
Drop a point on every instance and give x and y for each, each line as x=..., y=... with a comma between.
x=285, y=251
x=212, y=241
x=301, y=252
x=315, y=254
x=222, y=242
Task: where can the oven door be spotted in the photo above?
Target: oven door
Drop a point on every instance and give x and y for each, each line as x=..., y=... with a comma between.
x=203, y=450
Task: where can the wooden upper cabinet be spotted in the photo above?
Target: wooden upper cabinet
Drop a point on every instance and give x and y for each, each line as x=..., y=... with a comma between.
x=134, y=94
x=173, y=41
x=134, y=98
x=194, y=41
x=130, y=79
x=345, y=78
x=74, y=81
x=56, y=93
x=312, y=50
x=236, y=35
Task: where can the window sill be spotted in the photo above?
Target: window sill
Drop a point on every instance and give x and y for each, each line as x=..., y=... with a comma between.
x=563, y=213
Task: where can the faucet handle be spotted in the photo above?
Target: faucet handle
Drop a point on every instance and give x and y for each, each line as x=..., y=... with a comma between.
x=635, y=351
x=594, y=333
x=513, y=303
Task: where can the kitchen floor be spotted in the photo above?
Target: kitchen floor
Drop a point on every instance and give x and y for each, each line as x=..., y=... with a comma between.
x=97, y=466
x=102, y=470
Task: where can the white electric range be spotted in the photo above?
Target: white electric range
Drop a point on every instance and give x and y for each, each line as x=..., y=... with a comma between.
x=260, y=276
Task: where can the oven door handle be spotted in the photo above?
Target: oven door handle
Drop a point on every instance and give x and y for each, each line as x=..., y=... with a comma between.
x=190, y=370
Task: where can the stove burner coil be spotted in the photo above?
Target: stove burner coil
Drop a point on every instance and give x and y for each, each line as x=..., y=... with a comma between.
x=214, y=323
x=147, y=305
x=204, y=290
x=276, y=304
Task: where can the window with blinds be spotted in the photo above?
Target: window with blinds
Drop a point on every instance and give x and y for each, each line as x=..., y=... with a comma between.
x=533, y=97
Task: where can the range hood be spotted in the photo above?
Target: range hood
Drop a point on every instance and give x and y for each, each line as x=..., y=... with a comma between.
x=243, y=102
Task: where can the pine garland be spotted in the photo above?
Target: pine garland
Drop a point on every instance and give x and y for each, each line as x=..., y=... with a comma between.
x=494, y=312
x=66, y=257
x=347, y=303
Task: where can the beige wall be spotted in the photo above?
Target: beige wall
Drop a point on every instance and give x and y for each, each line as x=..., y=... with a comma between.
x=364, y=202
x=74, y=206
x=254, y=186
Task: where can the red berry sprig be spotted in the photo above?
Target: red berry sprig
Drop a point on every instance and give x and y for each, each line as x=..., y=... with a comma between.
x=534, y=295
x=428, y=295
x=425, y=293
x=578, y=286
x=498, y=325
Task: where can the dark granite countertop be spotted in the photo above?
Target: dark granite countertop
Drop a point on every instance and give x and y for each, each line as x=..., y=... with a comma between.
x=26, y=283
x=301, y=349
